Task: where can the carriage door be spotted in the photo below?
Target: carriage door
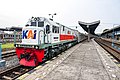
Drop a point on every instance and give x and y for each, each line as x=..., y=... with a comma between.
x=47, y=31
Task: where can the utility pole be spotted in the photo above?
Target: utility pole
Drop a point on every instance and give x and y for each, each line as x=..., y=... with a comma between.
x=88, y=33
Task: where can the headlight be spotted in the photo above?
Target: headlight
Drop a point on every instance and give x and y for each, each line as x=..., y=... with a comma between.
x=16, y=45
x=36, y=47
x=32, y=46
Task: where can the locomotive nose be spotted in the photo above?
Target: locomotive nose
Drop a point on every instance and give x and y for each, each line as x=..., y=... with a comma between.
x=28, y=59
x=27, y=56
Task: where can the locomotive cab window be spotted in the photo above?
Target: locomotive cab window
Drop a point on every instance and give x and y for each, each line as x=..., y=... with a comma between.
x=33, y=24
x=40, y=24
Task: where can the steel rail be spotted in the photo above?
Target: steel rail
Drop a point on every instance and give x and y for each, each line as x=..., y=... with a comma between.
x=14, y=72
x=107, y=46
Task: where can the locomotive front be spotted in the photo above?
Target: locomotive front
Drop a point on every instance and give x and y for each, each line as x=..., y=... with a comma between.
x=28, y=51
x=43, y=39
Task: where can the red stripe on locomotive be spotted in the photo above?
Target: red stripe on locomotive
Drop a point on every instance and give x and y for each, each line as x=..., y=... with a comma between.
x=66, y=37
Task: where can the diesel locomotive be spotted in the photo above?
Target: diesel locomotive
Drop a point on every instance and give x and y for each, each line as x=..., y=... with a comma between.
x=43, y=39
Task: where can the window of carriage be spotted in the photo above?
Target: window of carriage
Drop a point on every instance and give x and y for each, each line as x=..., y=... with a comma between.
x=72, y=33
x=40, y=24
x=69, y=32
x=55, y=29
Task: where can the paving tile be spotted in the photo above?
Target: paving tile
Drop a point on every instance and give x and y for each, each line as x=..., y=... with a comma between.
x=83, y=62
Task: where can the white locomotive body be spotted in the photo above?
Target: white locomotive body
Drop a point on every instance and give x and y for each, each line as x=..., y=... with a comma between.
x=43, y=38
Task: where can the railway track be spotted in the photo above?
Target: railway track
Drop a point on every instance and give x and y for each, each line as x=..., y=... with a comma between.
x=8, y=54
x=107, y=46
x=13, y=73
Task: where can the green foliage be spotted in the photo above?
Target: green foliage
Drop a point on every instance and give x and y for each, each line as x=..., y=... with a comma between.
x=7, y=45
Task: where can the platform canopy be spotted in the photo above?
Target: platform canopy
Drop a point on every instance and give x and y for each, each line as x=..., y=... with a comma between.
x=92, y=26
x=117, y=28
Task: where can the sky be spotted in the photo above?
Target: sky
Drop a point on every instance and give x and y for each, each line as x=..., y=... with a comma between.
x=69, y=12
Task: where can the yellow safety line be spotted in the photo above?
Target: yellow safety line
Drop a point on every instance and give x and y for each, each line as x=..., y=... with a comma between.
x=23, y=76
x=47, y=61
x=54, y=58
x=38, y=67
x=118, y=65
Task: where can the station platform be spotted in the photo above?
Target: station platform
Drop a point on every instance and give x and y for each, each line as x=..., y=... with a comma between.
x=85, y=61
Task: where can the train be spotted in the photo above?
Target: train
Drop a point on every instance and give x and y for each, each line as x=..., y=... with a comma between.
x=43, y=38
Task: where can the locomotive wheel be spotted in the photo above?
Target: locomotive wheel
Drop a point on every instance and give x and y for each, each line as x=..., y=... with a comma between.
x=56, y=52
x=64, y=48
x=49, y=56
x=52, y=54
x=60, y=49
